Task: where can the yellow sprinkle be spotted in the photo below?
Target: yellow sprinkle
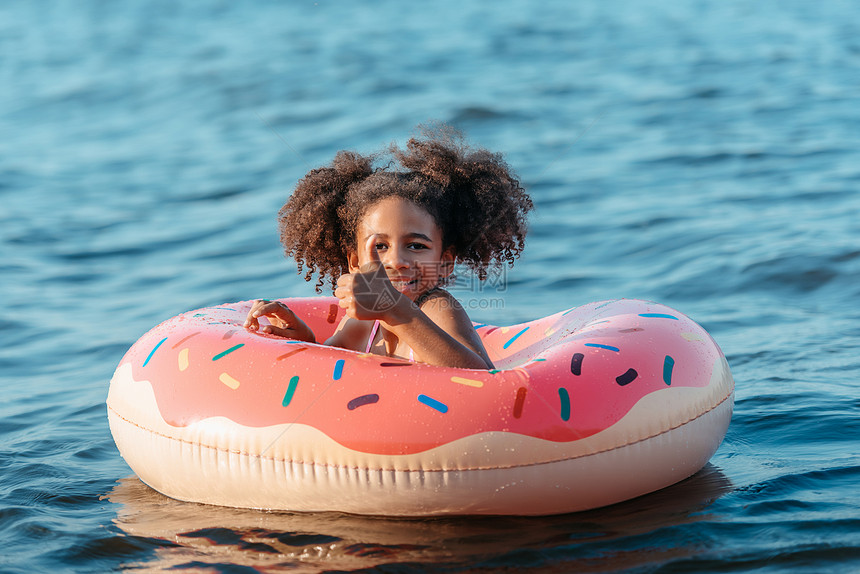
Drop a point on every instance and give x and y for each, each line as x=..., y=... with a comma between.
x=692, y=336
x=469, y=382
x=505, y=329
x=229, y=381
x=549, y=331
x=183, y=359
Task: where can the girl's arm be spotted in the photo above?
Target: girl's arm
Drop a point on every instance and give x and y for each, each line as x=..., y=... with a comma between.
x=439, y=333
x=348, y=335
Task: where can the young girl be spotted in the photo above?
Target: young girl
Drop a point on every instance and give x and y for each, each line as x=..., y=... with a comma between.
x=388, y=238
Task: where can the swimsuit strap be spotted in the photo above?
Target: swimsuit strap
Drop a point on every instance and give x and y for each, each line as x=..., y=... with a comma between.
x=373, y=334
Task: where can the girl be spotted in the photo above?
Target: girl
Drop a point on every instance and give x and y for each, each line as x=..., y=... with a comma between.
x=388, y=238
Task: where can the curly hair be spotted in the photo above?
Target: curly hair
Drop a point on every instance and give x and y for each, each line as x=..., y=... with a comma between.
x=473, y=195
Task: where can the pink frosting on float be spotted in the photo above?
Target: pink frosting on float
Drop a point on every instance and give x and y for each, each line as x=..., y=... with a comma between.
x=560, y=378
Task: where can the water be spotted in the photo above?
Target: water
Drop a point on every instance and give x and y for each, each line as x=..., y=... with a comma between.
x=703, y=155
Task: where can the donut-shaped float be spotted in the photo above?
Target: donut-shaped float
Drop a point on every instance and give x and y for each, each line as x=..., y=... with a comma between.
x=587, y=407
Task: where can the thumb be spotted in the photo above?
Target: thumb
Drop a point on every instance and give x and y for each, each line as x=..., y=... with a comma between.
x=371, y=251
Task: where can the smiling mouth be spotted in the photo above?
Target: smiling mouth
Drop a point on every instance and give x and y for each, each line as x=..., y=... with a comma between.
x=404, y=283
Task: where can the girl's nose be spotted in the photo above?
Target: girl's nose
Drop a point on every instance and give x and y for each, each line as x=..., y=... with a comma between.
x=397, y=258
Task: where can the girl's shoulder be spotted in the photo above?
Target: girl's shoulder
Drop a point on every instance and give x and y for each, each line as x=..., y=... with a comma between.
x=440, y=304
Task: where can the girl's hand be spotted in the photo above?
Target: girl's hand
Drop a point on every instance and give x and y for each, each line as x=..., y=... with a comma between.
x=367, y=293
x=283, y=322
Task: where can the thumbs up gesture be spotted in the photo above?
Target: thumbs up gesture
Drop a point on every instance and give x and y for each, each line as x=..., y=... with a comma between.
x=367, y=294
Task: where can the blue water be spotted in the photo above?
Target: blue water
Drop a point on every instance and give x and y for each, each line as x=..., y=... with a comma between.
x=701, y=154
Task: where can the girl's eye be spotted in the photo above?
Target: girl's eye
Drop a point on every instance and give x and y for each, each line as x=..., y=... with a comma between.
x=417, y=246
x=380, y=246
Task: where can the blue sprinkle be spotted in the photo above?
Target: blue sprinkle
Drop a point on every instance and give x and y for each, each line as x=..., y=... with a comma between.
x=668, y=365
x=154, y=349
x=599, y=346
x=514, y=338
x=291, y=390
x=433, y=403
x=658, y=316
x=338, y=369
x=228, y=351
x=564, y=398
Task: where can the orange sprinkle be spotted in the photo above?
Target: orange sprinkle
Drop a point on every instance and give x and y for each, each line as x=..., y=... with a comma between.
x=468, y=382
x=291, y=353
x=229, y=381
x=183, y=359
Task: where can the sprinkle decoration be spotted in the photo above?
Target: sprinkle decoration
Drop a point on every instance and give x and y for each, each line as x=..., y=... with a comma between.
x=185, y=339
x=658, y=316
x=228, y=351
x=628, y=377
x=183, y=359
x=519, y=402
x=291, y=390
x=332, y=313
x=362, y=400
x=514, y=338
x=291, y=353
x=433, y=403
x=576, y=363
x=599, y=346
x=152, y=352
x=395, y=364
x=229, y=381
x=668, y=365
x=564, y=399
x=468, y=382
x=338, y=369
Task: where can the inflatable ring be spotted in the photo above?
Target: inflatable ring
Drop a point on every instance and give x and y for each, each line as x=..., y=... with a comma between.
x=587, y=407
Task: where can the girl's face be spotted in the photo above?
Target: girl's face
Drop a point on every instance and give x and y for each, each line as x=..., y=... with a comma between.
x=409, y=244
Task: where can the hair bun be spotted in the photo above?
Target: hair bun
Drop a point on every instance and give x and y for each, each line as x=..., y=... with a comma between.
x=351, y=167
x=437, y=156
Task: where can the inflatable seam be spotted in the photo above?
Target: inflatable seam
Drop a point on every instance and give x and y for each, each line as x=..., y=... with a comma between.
x=410, y=470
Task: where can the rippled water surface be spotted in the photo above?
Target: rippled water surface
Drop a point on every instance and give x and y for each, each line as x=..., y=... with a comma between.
x=704, y=155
